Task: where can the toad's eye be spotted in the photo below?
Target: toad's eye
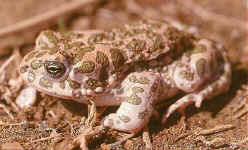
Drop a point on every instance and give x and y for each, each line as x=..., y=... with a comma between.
x=55, y=69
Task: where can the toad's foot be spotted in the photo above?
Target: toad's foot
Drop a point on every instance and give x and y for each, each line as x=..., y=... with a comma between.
x=140, y=91
x=217, y=85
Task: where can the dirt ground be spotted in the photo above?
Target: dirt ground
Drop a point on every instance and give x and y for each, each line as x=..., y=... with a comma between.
x=51, y=123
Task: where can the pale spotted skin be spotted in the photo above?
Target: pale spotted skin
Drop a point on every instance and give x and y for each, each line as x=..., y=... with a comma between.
x=135, y=66
x=137, y=107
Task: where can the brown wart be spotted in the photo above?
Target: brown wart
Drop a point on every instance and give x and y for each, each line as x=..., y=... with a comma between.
x=31, y=76
x=133, y=78
x=117, y=57
x=67, y=55
x=187, y=75
x=137, y=89
x=73, y=45
x=95, y=38
x=141, y=80
x=76, y=59
x=201, y=66
x=103, y=75
x=44, y=82
x=80, y=52
x=157, y=41
x=92, y=84
x=102, y=59
x=133, y=99
x=85, y=67
x=125, y=33
x=35, y=64
x=136, y=45
x=179, y=40
x=172, y=33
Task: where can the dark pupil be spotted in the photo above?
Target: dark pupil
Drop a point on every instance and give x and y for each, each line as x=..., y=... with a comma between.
x=55, y=69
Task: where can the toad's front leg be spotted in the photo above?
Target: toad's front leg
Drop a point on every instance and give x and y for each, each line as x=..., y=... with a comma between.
x=139, y=92
x=206, y=74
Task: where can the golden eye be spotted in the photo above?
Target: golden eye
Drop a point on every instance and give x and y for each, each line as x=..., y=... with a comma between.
x=55, y=69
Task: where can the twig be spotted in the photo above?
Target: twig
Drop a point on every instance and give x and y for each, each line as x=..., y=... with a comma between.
x=207, y=15
x=238, y=108
x=13, y=124
x=182, y=136
x=44, y=17
x=241, y=113
x=6, y=64
x=52, y=114
x=91, y=120
x=242, y=109
x=73, y=131
x=214, y=143
x=147, y=139
x=219, y=128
